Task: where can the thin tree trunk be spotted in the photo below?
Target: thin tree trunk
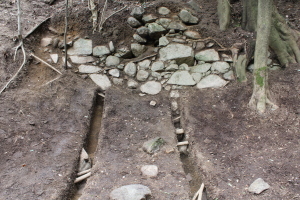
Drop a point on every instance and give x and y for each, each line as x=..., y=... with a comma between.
x=249, y=16
x=224, y=14
x=65, y=35
x=259, y=97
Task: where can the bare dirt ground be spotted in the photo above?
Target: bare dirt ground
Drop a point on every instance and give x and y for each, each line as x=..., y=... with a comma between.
x=42, y=128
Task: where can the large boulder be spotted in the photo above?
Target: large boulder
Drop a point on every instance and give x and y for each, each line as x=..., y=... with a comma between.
x=179, y=52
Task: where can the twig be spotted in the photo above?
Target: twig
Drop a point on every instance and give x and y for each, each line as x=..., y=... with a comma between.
x=101, y=23
x=83, y=172
x=65, y=35
x=45, y=63
x=209, y=38
x=199, y=193
x=141, y=59
x=50, y=81
x=81, y=178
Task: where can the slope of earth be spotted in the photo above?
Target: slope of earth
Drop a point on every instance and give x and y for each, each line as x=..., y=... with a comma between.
x=234, y=146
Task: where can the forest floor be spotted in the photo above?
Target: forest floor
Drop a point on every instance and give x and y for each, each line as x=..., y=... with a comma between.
x=44, y=126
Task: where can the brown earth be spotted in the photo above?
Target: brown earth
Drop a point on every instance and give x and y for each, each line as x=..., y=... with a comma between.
x=43, y=127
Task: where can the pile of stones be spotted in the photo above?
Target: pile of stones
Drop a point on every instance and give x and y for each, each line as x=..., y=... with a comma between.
x=178, y=59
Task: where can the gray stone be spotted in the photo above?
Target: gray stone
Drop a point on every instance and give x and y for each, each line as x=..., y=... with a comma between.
x=114, y=73
x=112, y=61
x=118, y=81
x=192, y=34
x=137, y=12
x=138, y=49
x=221, y=67
x=163, y=41
x=202, y=68
x=181, y=78
x=142, y=31
x=172, y=67
x=130, y=69
x=211, y=81
x=208, y=55
x=174, y=94
x=149, y=18
x=142, y=75
x=153, y=145
x=229, y=75
x=131, y=192
x=139, y=39
x=81, y=47
x=100, y=51
x=157, y=66
x=111, y=46
x=121, y=66
x=197, y=77
x=155, y=30
x=226, y=58
x=54, y=57
x=258, y=186
x=163, y=11
x=88, y=69
x=133, y=22
x=46, y=42
x=82, y=59
x=184, y=67
x=124, y=52
x=210, y=44
x=179, y=40
x=144, y=64
x=150, y=170
x=187, y=17
x=177, y=26
x=164, y=22
x=101, y=80
x=151, y=87
x=199, y=46
x=179, y=52
x=132, y=84
x=156, y=75
x=174, y=105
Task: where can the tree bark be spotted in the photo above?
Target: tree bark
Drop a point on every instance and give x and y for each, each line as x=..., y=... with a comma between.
x=249, y=15
x=224, y=14
x=260, y=93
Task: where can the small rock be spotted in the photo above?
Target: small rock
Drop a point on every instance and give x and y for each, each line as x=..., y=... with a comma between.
x=149, y=170
x=81, y=47
x=88, y=69
x=197, y=77
x=157, y=66
x=258, y=186
x=210, y=44
x=211, y=81
x=183, y=149
x=202, y=68
x=187, y=17
x=124, y=52
x=46, y=42
x=155, y=30
x=226, y=58
x=142, y=31
x=54, y=57
x=55, y=42
x=220, y=67
x=199, y=46
x=101, y=80
x=120, y=66
x=174, y=105
x=131, y=192
x=164, y=22
x=111, y=46
x=153, y=103
x=153, y=145
x=114, y=73
x=174, y=94
x=149, y=18
x=179, y=131
x=130, y=69
x=151, y=87
x=133, y=22
x=208, y=55
x=163, y=41
x=82, y=59
x=118, y=81
x=132, y=84
x=142, y=75
x=100, y=51
x=112, y=61
x=137, y=12
x=139, y=39
x=138, y=49
x=192, y=34
x=144, y=64
x=229, y=75
x=156, y=75
x=179, y=52
x=184, y=67
x=163, y=11
x=177, y=26
x=181, y=78
x=172, y=67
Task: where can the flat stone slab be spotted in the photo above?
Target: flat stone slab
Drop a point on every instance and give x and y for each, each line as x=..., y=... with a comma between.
x=179, y=52
x=181, y=78
x=81, y=47
x=258, y=186
x=88, y=69
x=131, y=192
x=101, y=80
x=82, y=59
x=208, y=55
x=212, y=81
x=129, y=121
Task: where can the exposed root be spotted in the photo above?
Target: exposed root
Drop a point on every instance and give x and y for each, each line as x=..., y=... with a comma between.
x=102, y=22
x=199, y=193
x=209, y=38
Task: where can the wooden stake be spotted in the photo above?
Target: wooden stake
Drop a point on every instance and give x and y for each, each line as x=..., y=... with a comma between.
x=45, y=63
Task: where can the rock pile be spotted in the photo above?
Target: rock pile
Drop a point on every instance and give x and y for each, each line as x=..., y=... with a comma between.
x=180, y=59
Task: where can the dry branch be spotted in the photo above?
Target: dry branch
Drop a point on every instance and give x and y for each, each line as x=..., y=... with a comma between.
x=102, y=22
x=45, y=63
x=81, y=178
x=199, y=193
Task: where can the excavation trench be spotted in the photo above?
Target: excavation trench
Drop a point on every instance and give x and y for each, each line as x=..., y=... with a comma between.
x=91, y=142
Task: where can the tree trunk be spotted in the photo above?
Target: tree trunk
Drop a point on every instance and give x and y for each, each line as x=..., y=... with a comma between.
x=249, y=16
x=260, y=93
x=224, y=14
